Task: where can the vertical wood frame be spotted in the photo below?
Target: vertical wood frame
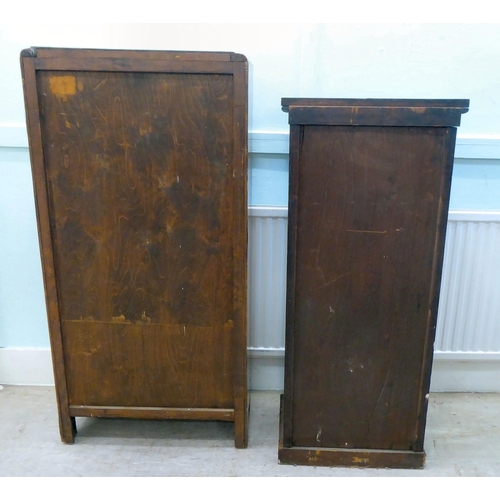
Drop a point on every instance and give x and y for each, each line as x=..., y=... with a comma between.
x=442, y=218
x=235, y=65
x=67, y=426
x=438, y=119
x=242, y=404
x=296, y=136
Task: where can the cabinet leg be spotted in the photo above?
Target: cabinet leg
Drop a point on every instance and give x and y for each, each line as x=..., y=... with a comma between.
x=67, y=427
x=241, y=424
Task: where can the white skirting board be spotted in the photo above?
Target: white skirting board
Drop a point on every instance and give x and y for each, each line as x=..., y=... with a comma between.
x=26, y=366
x=266, y=371
x=465, y=376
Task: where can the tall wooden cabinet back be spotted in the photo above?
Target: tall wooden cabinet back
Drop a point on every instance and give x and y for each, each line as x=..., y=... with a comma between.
x=139, y=161
x=369, y=191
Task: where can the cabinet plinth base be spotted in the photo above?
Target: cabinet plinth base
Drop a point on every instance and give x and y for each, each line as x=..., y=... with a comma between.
x=345, y=457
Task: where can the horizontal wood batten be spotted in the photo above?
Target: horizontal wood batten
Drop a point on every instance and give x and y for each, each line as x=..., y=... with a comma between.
x=286, y=102
x=41, y=52
x=152, y=413
x=338, y=457
x=345, y=457
x=133, y=65
x=376, y=115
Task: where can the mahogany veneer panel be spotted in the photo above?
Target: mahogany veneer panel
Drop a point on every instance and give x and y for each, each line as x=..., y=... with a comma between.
x=368, y=210
x=140, y=168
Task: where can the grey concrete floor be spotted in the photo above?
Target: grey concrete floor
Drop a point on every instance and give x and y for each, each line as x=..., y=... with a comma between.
x=462, y=439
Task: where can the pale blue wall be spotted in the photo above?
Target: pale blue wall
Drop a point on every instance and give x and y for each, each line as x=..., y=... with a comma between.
x=475, y=185
x=23, y=320
x=268, y=179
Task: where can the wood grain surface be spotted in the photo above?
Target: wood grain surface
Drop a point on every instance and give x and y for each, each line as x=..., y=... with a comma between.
x=139, y=162
x=140, y=237
x=111, y=364
x=362, y=284
x=367, y=221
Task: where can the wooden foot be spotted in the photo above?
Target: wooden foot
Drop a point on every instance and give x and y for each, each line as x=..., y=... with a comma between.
x=343, y=457
x=241, y=424
x=67, y=428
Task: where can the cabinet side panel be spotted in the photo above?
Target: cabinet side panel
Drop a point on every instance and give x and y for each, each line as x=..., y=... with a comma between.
x=367, y=218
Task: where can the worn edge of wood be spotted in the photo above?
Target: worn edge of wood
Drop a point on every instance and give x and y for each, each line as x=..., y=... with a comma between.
x=346, y=457
x=186, y=55
x=449, y=142
x=154, y=413
x=375, y=116
x=126, y=65
x=296, y=140
x=286, y=102
x=67, y=426
x=240, y=251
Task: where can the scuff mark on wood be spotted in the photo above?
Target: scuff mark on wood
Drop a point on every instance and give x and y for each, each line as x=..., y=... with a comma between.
x=318, y=435
x=362, y=231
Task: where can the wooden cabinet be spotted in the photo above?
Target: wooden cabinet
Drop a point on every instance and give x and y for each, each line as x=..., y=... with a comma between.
x=140, y=175
x=369, y=190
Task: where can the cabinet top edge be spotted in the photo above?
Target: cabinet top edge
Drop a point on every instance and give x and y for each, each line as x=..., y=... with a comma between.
x=170, y=55
x=461, y=104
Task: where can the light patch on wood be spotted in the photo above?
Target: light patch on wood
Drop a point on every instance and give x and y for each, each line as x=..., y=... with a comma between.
x=63, y=86
x=66, y=123
x=119, y=319
x=359, y=460
x=145, y=318
x=145, y=129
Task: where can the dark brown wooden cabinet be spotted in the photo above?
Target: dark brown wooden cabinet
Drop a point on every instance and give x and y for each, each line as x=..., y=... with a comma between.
x=139, y=162
x=369, y=190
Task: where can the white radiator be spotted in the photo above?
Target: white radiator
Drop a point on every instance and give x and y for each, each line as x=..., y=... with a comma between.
x=267, y=238
x=468, y=326
x=469, y=306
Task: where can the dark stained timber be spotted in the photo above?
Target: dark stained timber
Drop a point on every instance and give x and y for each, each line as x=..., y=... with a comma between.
x=368, y=211
x=140, y=171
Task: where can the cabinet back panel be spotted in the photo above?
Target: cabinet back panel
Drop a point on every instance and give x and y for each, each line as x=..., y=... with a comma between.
x=140, y=191
x=363, y=282
x=148, y=365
